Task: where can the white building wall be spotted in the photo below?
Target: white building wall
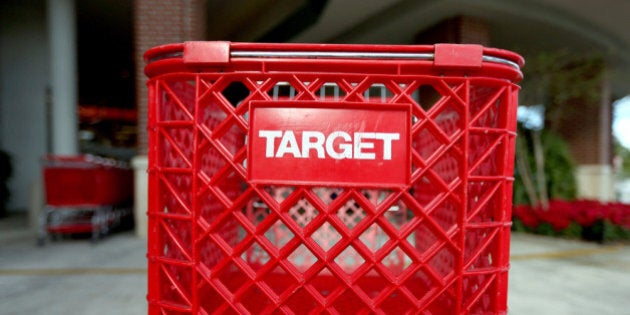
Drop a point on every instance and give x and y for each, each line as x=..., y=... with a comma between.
x=24, y=75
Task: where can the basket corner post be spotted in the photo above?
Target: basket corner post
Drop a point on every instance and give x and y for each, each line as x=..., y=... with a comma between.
x=458, y=55
x=206, y=52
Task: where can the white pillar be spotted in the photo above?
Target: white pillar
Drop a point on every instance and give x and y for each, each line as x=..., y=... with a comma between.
x=595, y=181
x=140, y=163
x=63, y=68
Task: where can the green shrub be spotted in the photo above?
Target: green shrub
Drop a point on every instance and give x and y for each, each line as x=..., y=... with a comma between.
x=559, y=167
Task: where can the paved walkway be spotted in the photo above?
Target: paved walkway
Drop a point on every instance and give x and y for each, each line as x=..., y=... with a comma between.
x=548, y=276
x=554, y=276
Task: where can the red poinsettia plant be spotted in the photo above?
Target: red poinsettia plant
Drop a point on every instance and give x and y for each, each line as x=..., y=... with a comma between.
x=589, y=219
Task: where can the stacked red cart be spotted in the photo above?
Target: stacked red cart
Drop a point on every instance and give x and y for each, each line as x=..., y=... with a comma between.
x=84, y=194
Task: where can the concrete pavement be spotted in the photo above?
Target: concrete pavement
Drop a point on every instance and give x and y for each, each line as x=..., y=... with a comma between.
x=555, y=276
x=547, y=276
x=71, y=276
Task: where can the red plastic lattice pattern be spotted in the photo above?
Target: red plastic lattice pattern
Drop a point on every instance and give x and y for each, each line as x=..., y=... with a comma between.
x=219, y=244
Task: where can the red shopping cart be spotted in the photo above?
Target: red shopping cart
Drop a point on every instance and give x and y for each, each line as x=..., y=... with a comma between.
x=84, y=194
x=330, y=179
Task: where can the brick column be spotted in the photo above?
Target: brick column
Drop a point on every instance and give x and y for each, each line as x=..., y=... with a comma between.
x=157, y=22
x=586, y=125
x=457, y=30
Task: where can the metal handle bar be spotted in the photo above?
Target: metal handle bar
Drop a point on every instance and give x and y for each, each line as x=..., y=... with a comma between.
x=335, y=55
x=354, y=55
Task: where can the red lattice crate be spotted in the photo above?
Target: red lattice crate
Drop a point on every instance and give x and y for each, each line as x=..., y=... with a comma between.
x=229, y=236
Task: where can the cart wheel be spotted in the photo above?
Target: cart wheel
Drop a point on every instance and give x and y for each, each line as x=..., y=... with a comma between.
x=96, y=236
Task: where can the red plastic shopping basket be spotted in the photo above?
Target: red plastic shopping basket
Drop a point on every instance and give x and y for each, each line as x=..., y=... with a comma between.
x=300, y=178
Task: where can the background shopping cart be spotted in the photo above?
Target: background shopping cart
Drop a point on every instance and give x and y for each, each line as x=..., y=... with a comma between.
x=84, y=194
